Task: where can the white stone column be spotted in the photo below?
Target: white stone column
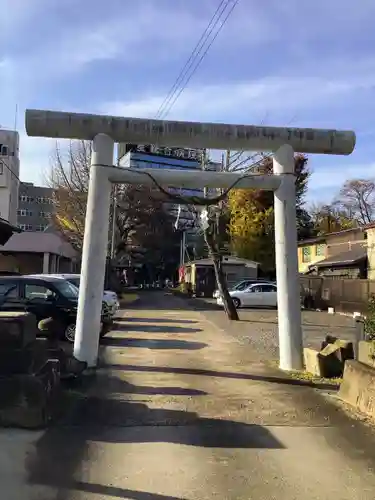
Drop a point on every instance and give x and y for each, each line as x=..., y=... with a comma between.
x=288, y=282
x=94, y=252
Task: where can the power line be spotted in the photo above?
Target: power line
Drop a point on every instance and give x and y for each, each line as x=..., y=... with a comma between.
x=172, y=101
x=188, y=63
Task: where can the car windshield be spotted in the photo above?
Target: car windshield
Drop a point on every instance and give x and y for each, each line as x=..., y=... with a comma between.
x=67, y=289
x=241, y=286
x=74, y=281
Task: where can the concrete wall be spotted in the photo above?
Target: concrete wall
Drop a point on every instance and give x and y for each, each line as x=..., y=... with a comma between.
x=371, y=253
x=29, y=263
x=22, y=263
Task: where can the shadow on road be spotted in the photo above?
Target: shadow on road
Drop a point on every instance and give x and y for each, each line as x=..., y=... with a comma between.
x=113, y=491
x=211, y=373
x=109, y=384
x=126, y=319
x=61, y=456
x=152, y=344
x=123, y=327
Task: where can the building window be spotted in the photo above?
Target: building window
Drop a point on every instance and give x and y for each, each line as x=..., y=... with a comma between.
x=1, y=167
x=25, y=227
x=26, y=199
x=24, y=212
x=4, y=151
x=320, y=250
x=44, y=200
x=306, y=254
x=46, y=215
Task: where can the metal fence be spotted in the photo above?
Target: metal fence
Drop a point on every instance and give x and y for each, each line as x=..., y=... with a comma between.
x=345, y=295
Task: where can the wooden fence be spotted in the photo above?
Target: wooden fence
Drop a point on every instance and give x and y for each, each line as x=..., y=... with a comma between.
x=345, y=295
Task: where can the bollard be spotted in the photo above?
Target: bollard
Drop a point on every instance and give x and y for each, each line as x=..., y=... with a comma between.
x=359, y=334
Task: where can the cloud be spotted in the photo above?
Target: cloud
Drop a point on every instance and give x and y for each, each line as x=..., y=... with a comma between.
x=143, y=32
x=241, y=100
x=332, y=177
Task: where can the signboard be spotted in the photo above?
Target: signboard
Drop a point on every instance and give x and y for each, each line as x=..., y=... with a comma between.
x=182, y=153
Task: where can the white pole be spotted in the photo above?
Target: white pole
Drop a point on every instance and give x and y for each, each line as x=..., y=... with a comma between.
x=183, y=247
x=288, y=286
x=94, y=252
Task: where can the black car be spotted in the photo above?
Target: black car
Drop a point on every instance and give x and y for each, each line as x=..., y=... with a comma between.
x=48, y=297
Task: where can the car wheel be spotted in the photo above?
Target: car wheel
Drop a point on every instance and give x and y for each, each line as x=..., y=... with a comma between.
x=236, y=302
x=70, y=333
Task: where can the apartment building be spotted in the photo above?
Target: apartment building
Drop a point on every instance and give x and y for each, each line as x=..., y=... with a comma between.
x=35, y=207
x=9, y=174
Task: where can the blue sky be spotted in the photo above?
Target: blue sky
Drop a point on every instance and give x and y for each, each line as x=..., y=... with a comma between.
x=276, y=62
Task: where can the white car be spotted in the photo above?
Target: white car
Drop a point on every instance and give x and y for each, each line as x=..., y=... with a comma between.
x=255, y=295
x=242, y=285
x=109, y=297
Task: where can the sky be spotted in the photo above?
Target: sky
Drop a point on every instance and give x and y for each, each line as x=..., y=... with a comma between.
x=281, y=63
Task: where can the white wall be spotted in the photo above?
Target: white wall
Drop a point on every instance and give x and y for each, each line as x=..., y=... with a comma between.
x=9, y=174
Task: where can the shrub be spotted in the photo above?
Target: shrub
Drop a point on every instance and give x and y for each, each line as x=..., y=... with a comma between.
x=369, y=322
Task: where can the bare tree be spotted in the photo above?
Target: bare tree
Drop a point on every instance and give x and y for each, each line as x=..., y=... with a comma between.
x=139, y=210
x=357, y=198
x=330, y=218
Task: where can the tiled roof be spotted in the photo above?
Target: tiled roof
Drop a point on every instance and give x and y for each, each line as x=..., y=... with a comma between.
x=356, y=254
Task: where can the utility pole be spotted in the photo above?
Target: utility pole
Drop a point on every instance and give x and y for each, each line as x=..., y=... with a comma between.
x=114, y=216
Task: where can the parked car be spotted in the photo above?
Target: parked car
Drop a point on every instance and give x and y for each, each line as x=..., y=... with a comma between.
x=255, y=295
x=242, y=285
x=110, y=298
x=47, y=297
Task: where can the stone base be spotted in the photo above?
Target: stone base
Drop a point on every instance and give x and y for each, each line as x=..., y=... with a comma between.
x=30, y=401
x=366, y=353
x=358, y=387
x=329, y=361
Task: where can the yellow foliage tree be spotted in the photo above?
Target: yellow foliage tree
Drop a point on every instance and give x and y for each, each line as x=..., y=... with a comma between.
x=251, y=229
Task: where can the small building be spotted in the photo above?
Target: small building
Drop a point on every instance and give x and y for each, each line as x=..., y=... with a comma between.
x=323, y=248
x=31, y=252
x=351, y=264
x=200, y=273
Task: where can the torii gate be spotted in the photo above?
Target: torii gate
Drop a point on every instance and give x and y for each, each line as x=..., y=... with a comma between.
x=103, y=131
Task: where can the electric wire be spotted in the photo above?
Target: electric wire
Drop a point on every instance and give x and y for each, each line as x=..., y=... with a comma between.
x=188, y=63
x=199, y=61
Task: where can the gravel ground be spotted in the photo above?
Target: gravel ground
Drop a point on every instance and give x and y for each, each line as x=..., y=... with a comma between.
x=258, y=327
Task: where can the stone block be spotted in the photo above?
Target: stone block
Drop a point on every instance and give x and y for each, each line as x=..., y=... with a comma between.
x=17, y=329
x=366, y=352
x=342, y=349
x=30, y=401
x=312, y=361
x=329, y=362
x=328, y=340
x=358, y=387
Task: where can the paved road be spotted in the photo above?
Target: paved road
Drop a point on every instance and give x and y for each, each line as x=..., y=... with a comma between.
x=180, y=411
x=258, y=327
